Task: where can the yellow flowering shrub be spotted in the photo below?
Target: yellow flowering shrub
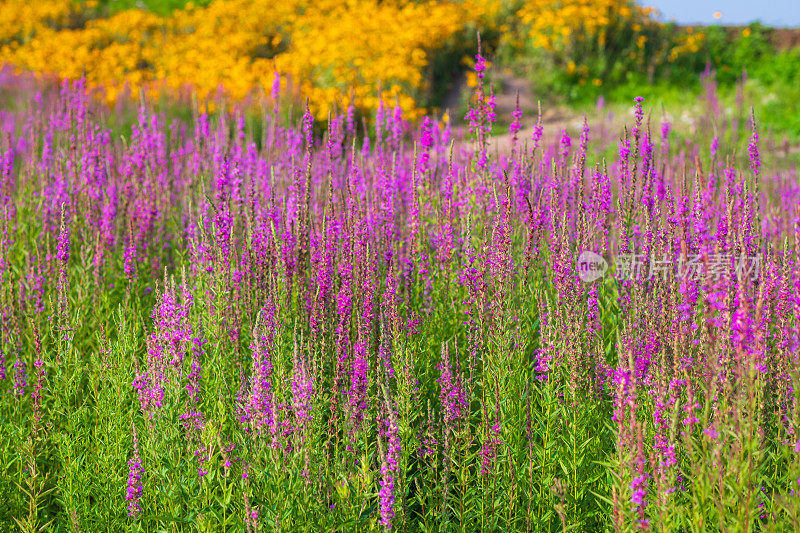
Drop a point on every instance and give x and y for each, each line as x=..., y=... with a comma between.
x=689, y=42
x=554, y=24
x=334, y=51
x=330, y=49
x=21, y=18
x=596, y=41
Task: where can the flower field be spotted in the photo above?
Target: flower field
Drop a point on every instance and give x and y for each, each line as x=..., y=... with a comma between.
x=223, y=322
x=249, y=283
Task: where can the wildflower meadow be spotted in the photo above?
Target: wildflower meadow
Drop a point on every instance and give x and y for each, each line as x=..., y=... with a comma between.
x=247, y=317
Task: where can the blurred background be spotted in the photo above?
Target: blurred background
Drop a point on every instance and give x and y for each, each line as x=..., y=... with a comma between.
x=577, y=57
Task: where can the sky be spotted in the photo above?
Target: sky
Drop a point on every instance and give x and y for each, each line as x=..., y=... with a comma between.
x=734, y=12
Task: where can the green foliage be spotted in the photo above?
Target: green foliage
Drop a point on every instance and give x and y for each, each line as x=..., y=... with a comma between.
x=622, y=71
x=162, y=7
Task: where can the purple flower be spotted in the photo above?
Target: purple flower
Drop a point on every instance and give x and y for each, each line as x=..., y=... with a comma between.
x=276, y=87
x=129, y=264
x=425, y=142
x=359, y=384
x=638, y=115
x=516, y=125
x=565, y=145
x=133, y=494
x=639, y=490
x=389, y=465
x=752, y=149
x=488, y=451
x=20, y=377
x=194, y=376
x=451, y=393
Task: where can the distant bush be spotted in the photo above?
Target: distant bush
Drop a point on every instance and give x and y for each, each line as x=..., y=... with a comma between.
x=579, y=49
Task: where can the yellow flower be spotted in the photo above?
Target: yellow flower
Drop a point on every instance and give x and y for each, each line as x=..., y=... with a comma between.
x=331, y=50
x=235, y=45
